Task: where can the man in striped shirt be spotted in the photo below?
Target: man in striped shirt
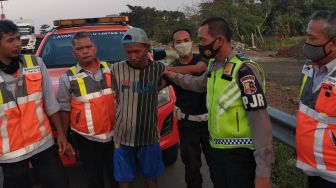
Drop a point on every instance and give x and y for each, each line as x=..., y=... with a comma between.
x=136, y=82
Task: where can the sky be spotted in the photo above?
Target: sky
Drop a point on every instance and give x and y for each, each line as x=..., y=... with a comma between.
x=45, y=11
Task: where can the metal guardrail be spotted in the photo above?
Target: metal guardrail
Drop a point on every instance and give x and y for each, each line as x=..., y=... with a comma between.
x=283, y=126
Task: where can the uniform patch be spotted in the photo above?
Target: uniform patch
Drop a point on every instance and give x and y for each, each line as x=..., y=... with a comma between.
x=228, y=69
x=255, y=102
x=78, y=76
x=249, y=84
x=242, y=57
x=29, y=70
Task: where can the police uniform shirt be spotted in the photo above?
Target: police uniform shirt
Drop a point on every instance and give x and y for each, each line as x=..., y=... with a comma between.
x=254, y=102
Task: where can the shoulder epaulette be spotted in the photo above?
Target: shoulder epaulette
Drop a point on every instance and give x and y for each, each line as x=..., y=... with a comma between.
x=242, y=57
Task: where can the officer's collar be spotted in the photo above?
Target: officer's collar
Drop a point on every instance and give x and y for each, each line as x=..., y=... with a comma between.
x=331, y=65
x=81, y=69
x=230, y=56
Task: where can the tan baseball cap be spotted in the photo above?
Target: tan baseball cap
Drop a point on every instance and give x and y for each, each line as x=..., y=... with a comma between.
x=135, y=35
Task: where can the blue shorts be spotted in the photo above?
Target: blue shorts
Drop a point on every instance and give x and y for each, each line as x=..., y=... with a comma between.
x=147, y=159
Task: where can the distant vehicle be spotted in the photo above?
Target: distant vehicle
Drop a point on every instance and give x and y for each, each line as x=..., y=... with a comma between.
x=55, y=50
x=27, y=35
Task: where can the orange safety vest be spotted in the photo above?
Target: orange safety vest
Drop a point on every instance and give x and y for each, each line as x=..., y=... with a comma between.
x=24, y=125
x=316, y=130
x=92, y=104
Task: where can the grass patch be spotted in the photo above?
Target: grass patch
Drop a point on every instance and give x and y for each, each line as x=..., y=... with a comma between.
x=276, y=43
x=284, y=172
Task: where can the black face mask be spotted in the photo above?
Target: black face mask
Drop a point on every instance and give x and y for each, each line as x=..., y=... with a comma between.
x=12, y=67
x=207, y=51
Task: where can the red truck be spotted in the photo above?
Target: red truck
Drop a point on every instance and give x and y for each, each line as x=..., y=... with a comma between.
x=55, y=50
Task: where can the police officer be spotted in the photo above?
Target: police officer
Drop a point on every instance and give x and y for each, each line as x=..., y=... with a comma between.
x=316, y=119
x=27, y=102
x=87, y=104
x=191, y=110
x=239, y=125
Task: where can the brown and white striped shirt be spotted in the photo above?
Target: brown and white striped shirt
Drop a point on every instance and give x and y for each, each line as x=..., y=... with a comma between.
x=137, y=100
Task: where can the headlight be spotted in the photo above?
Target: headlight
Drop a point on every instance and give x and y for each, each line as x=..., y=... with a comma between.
x=163, y=97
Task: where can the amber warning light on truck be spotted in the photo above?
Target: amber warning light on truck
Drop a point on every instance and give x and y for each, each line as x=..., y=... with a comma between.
x=102, y=20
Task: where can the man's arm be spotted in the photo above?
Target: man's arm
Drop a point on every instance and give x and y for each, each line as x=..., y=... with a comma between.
x=52, y=107
x=61, y=138
x=199, y=68
x=255, y=104
x=64, y=97
x=65, y=117
x=189, y=82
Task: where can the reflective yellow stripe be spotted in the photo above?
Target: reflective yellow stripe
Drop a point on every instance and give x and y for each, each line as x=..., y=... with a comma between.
x=73, y=70
x=1, y=98
x=305, y=78
x=80, y=81
x=104, y=63
x=82, y=87
x=29, y=60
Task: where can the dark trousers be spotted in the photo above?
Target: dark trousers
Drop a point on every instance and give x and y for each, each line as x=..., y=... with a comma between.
x=95, y=156
x=318, y=182
x=194, y=138
x=47, y=167
x=234, y=168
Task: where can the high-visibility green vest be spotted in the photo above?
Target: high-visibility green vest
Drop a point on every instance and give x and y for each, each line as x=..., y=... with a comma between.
x=227, y=119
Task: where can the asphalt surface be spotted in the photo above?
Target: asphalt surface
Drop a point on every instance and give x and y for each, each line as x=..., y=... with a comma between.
x=172, y=178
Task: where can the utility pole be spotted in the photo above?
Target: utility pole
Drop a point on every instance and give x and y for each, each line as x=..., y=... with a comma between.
x=2, y=17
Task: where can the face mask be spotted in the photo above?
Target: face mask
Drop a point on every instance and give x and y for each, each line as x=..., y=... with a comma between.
x=183, y=49
x=207, y=51
x=315, y=52
x=12, y=67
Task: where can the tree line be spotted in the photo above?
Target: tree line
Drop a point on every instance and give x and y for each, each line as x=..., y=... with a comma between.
x=247, y=18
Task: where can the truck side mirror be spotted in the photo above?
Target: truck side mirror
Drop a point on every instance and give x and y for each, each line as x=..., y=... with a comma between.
x=159, y=54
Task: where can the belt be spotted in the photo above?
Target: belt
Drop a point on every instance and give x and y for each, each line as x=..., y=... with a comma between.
x=197, y=118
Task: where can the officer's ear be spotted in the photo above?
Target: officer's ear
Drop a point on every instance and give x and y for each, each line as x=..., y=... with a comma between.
x=221, y=41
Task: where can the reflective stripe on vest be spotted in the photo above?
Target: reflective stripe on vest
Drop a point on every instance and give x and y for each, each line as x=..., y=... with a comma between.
x=24, y=124
x=304, y=80
x=227, y=119
x=315, y=144
x=92, y=105
x=316, y=131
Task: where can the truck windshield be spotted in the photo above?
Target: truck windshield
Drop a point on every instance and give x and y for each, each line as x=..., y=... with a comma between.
x=56, y=51
x=25, y=30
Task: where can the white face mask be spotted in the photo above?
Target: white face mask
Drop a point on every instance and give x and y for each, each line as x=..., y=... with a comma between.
x=183, y=49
